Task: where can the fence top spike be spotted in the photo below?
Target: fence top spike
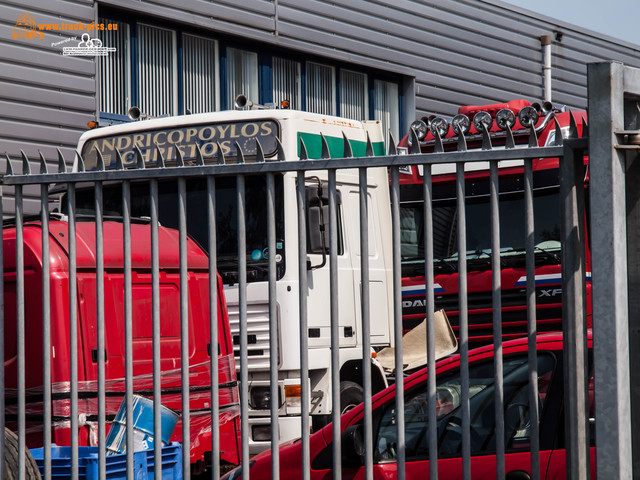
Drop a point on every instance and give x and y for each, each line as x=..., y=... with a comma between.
x=240, y=153
x=43, y=164
x=26, y=168
x=179, y=158
x=438, y=147
x=347, y=146
x=533, y=138
x=199, y=156
x=303, y=150
x=324, y=153
x=393, y=149
x=462, y=143
x=220, y=154
x=100, y=161
x=573, y=127
x=62, y=165
x=585, y=128
x=415, y=142
x=119, y=162
x=139, y=159
x=509, y=141
x=259, y=152
x=9, y=170
x=369, y=149
x=160, y=161
x=79, y=162
x=281, y=155
x=486, y=139
x=557, y=141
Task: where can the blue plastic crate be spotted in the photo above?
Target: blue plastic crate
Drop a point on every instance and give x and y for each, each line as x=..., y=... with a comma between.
x=116, y=464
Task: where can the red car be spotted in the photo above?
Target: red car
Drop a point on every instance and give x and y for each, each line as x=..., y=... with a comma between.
x=482, y=410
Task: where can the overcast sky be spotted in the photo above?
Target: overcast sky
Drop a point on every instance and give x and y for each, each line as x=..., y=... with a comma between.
x=616, y=18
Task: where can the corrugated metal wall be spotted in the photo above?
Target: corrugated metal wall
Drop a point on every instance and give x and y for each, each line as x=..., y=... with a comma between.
x=451, y=52
x=46, y=99
x=460, y=51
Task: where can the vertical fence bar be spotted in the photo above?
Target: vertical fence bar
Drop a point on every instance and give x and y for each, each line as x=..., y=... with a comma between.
x=3, y=475
x=213, y=328
x=397, y=318
x=21, y=331
x=335, y=325
x=532, y=330
x=242, y=315
x=609, y=273
x=102, y=469
x=273, y=325
x=573, y=312
x=155, y=320
x=46, y=329
x=427, y=193
x=184, y=328
x=497, y=318
x=463, y=322
x=305, y=394
x=128, y=322
x=73, y=325
x=366, y=327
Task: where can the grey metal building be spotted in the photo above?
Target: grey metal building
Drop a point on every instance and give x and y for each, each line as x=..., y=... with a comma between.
x=393, y=61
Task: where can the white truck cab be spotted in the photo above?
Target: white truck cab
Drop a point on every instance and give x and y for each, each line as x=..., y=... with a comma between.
x=224, y=130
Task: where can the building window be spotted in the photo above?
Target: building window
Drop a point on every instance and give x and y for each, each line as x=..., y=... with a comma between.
x=157, y=71
x=387, y=108
x=287, y=83
x=321, y=89
x=200, y=57
x=167, y=71
x=242, y=75
x=115, y=74
x=354, y=101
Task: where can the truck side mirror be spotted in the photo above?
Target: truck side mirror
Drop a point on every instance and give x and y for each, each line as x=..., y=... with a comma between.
x=317, y=210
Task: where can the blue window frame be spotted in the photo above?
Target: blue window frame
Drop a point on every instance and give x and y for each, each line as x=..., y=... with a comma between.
x=200, y=72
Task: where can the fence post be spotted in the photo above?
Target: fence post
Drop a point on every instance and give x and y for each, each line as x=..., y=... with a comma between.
x=632, y=198
x=609, y=272
x=573, y=308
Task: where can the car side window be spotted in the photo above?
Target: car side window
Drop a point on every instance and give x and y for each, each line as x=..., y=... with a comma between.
x=482, y=410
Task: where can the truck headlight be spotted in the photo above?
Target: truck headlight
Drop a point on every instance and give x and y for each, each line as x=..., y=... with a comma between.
x=260, y=398
x=505, y=118
x=420, y=128
x=439, y=125
x=461, y=124
x=528, y=117
x=482, y=118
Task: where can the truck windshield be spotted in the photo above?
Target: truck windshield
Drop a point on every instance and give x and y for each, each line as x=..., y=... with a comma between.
x=257, y=253
x=478, y=231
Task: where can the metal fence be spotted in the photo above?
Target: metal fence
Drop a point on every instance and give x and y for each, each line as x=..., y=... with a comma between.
x=612, y=372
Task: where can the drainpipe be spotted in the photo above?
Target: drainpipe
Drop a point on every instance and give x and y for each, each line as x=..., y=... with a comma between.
x=545, y=41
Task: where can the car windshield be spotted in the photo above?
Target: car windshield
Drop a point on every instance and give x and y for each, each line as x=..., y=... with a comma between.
x=197, y=219
x=482, y=411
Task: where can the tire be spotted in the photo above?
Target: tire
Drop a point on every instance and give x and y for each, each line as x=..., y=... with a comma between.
x=11, y=467
x=351, y=394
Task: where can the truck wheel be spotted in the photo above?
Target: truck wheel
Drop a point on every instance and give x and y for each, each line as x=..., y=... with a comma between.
x=11, y=467
x=351, y=394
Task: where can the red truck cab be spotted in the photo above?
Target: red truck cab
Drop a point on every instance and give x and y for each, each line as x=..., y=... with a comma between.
x=199, y=328
x=477, y=204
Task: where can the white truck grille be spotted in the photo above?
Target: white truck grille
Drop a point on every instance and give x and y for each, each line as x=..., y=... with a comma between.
x=257, y=333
